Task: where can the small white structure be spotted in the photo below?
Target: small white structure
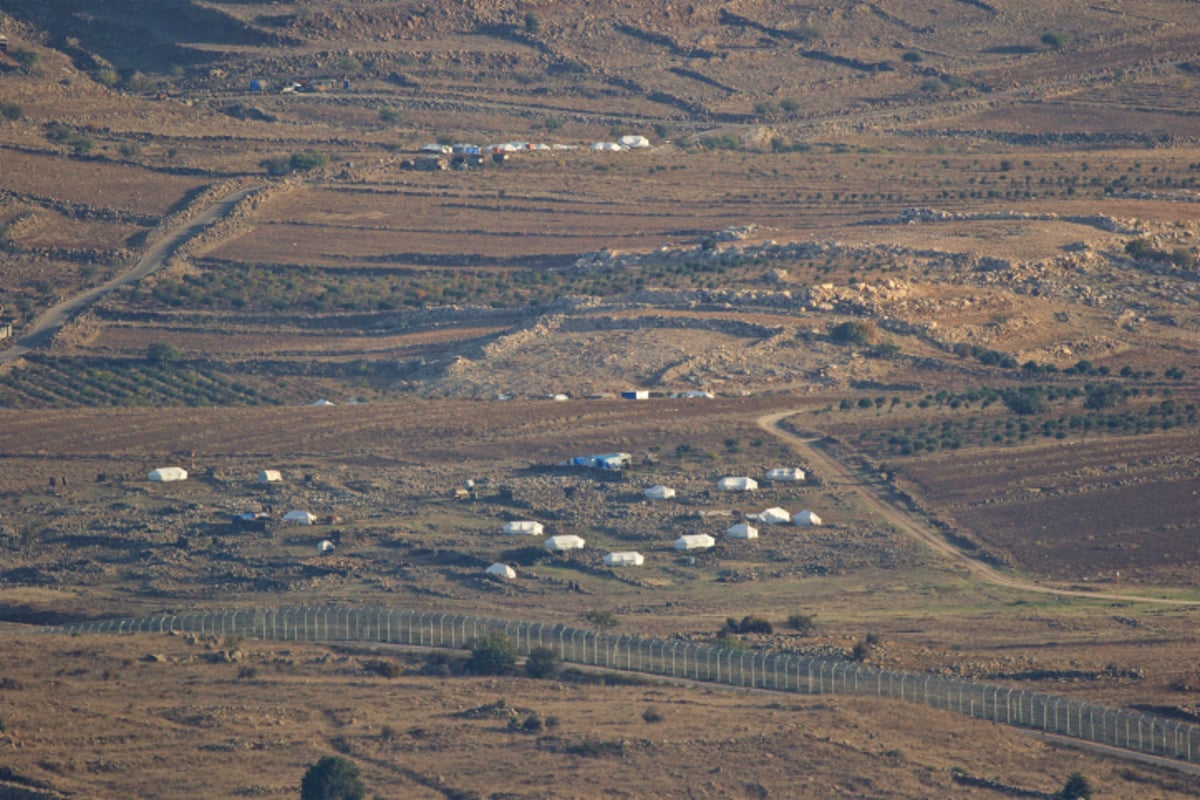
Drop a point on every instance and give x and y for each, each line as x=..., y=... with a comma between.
x=520, y=527
x=806, y=517
x=299, y=517
x=625, y=558
x=560, y=544
x=742, y=530
x=325, y=547
x=611, y=147
x=695, y=541
x=560, y=397
x=502, y=571
x=168, y=474
x=269, y=476
x=323, y=402
x=660, y=492
x=636, y=394
x=632, y=142
x=694, y=394
x=786, y=474
x=737, y=484
x=774, y=516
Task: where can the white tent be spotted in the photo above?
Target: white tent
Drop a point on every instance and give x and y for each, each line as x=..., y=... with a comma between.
x=742, y=530
x=523, y=526
x=324, y=547
x=694, y=541
x=774, y=516
x=606, y=146
x=660, y=492
x=501, y=571
x=300, y=517
x=737, y=484
x=322, y=402
x=806, y=517
x=626, y=558
x=167, y=474
x=269, y=476
x=559, y=544
x=786, y=474
x=633, y=141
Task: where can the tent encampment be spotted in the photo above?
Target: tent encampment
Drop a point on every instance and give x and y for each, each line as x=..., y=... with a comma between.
x=737, y=484
x=806, y=517
x=559, y=544
x=660, y=492
x=742, y=530
x=694, y=541
x=502, y=571
x=523, y=526
x=625, y=558
x=269, y=476
x=168, y=474
x=774, y=516
x=299, y=517
x=786, y=474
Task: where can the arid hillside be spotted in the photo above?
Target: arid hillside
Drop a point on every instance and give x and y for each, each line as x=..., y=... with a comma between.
x=942, y=256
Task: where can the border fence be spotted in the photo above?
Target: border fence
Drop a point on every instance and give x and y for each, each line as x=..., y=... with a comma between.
x=776, y=671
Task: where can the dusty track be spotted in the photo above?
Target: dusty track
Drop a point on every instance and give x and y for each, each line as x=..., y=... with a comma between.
x=835, y=473
x=153, y=259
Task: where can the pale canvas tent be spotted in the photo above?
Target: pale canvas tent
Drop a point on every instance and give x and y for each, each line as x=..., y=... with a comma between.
x=774, y=516
x=269, y=476
x=806, y=517
x=694, y=541
x=742, y=530
x=322, y=402
x=625, y=558
x=559, y=544
x=519, y=527
x=502, y=571
x=633, y=141
x=737, y=484
x=299, y=517
x=660, y=492
x=325, y=547
x=786, y=474
x=167, y=474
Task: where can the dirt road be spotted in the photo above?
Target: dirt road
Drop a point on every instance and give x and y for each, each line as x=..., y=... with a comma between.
x=834, y=473
x=153, y=259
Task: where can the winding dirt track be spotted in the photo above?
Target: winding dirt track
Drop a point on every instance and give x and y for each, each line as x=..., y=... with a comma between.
x=835, y=473
x=153, y=259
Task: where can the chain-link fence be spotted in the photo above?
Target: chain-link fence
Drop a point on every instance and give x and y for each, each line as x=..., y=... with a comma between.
x=778, y=671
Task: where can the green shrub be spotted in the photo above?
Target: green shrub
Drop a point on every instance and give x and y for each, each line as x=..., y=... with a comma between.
x=10, y=111
x=652, y=715
x=1056, y=39
x=389, y=115
x=332, y=778
x=307, y=159
x=601, y=619
x=854, y=331
x=493, y=654
x=542, y=663
x=804, y=624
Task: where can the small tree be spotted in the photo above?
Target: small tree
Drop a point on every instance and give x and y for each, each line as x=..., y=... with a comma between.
x=542, y=663
x=308, y=159
x=854, y=332
x=163, y=353
x=1077, y=787
x=493, y=654
x=332, y=778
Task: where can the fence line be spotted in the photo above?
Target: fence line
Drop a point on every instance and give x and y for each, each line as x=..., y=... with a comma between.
x=779, y=671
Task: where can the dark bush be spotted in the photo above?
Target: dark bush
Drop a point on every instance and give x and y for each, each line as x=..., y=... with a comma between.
x=493, y=654
x=542, y=663
x=332, y=778
x=853, y=332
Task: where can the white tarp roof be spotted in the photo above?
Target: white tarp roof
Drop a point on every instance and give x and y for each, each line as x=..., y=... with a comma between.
x=660, y=492
x=523, y=526
x=322, y=402
x=774, y=516
x=742, y=530
x=737, y=484
x=501, y=571
x=626, y=558
x=324, y=547
x=694, y=541
x=608, y=146
x=786, y=474
x=300, y=517
x=633, y=141
x=269, y=476
x=806, y=517
x=560, y=543
x=165, y=474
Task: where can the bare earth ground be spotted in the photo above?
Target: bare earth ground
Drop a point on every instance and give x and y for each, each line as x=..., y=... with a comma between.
x=964, y=181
